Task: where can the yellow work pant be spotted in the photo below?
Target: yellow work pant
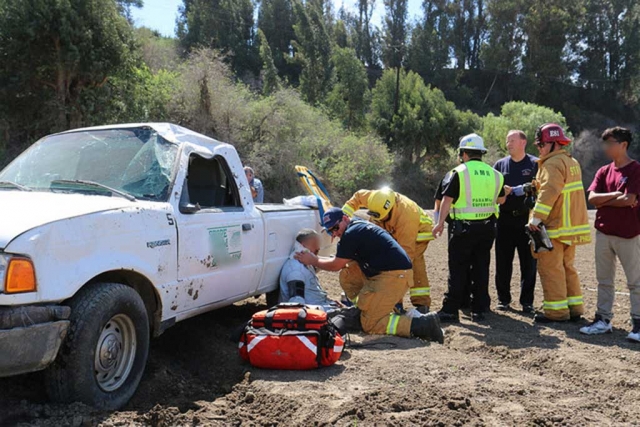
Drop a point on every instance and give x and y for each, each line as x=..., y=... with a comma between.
x=560, y=282
x=420, y=291
x=376, y=296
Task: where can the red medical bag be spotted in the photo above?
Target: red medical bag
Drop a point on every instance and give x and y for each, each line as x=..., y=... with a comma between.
x=290, y=336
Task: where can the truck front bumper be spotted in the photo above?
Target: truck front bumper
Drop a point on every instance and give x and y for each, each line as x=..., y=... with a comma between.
x=30, y=337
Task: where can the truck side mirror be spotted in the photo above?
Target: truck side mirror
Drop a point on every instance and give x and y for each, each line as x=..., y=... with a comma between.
x=189, y=208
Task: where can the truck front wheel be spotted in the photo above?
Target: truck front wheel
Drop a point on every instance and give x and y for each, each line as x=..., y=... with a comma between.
x=103, y=357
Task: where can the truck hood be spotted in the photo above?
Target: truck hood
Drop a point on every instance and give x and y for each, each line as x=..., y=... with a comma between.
x=21, y=211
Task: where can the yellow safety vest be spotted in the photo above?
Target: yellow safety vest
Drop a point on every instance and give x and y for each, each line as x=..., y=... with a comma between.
x=480, y=186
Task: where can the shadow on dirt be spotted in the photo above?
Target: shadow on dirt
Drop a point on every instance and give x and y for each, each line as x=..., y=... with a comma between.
x=510, y=332
x=618, y=338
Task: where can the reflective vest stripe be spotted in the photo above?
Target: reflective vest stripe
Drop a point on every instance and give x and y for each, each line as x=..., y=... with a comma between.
x=348, y=210
x=307, y=343
x=575, y=300
x=416, y=292
x=423, y=237
x=254, y=342
x=568, y=231
x=573, y=186
x=566, y=215
x=392, y=326
x=476, y=210
x=499, y=183
x=542, y=208
x=556, y=305
x=424, y=218
x=486, y=197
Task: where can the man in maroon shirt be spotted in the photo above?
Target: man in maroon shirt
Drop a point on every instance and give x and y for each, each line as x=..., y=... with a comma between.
x=614, y=191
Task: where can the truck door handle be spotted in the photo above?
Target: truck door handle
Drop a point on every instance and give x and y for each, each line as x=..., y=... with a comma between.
x=247, y=227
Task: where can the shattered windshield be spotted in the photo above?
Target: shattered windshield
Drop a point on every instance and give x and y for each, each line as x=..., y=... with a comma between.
x=135, y=161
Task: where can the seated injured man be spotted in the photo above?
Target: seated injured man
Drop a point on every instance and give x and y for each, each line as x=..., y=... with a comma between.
x=299, y=283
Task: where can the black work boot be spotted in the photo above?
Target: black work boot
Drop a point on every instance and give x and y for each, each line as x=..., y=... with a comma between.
x=427, y=327
x=346, y=319
x=422, y=309
x=448, y=317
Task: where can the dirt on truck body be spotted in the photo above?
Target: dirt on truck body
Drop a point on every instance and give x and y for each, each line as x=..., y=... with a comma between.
x=505, y=371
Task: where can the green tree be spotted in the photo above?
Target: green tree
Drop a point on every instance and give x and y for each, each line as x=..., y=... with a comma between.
x=157, y=51
x=364, y=37
x=610, y=40
x=347, y=99
x=52, y=53
x=426, y=123
x=395, y=33
x=340, y=34
x=276, y=19
x=313, y=50
x=549, y=25
x=517, y=115
x=467, y=32
x=428, y=50
x=124, y=7
x=505, y=39
x=226, y=25
x=269, y=73
x=367, y=37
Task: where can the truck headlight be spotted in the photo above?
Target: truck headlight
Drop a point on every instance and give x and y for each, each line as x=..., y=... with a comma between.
x=17, y=274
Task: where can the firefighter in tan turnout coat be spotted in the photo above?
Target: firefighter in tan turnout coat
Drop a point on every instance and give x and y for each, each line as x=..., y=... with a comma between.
x=409, y=225
x=562, y=208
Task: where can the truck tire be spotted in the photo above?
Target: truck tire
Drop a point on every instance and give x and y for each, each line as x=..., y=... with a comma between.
x=105, y=352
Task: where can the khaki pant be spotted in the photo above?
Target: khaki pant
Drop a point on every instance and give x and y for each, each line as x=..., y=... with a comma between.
x=560, y=282
x=376, y=296
x=628, y=252
x=420, y=291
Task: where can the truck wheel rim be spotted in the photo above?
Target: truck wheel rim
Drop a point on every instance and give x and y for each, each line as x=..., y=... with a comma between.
x=115, y=352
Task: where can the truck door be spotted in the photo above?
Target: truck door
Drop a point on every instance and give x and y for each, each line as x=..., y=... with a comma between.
x=220, y=242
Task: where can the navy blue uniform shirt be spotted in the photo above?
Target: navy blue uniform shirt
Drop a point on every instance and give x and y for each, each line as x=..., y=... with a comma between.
x=373, y=248
x=516, y=173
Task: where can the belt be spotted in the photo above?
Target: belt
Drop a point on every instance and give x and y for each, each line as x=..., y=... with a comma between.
x=489, y=220
x=515, y=213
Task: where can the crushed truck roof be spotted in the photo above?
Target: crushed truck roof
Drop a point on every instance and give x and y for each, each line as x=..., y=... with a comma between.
x=172, y=133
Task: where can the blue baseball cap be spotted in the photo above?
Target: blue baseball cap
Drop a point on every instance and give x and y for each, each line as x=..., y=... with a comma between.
x=331, y=217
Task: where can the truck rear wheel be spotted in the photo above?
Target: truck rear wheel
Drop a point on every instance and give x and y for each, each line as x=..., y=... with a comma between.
x=103, y=357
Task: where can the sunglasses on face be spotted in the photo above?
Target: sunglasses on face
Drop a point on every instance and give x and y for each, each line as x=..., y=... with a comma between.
x=540, y=144
x=333, y=229
x=375, y=215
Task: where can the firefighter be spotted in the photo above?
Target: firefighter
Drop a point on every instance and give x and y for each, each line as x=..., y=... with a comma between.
x=562, y=208
x=385, y=274
x=408, y=224
x=471, y=198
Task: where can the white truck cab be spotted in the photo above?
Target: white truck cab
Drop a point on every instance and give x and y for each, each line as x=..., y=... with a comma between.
x=110, y=235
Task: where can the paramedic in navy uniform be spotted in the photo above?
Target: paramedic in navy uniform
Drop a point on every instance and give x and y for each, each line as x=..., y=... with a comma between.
x=518, y=168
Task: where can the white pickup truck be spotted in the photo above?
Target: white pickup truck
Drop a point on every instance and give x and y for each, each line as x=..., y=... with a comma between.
x=112, y=234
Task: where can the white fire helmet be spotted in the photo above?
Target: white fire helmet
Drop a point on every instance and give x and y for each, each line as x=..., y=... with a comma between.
x=472, y=142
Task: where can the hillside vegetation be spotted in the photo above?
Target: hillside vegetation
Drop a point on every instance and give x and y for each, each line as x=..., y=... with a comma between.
x=361, y=105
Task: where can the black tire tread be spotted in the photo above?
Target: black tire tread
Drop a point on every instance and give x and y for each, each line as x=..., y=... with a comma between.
x=83, y=304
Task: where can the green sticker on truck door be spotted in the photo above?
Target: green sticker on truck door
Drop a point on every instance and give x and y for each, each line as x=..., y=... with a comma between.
x=225, y=245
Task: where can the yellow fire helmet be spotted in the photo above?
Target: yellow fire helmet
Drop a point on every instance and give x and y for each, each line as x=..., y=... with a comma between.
x=380, y=203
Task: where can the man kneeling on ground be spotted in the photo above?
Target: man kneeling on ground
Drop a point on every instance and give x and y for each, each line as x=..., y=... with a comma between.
x=299, y=282
x=384, y=276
